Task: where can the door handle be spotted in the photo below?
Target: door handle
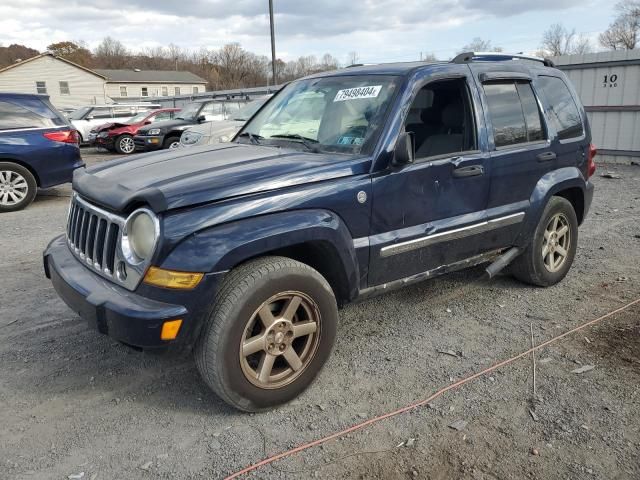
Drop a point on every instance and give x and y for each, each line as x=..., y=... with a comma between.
x=546, y=156
x=470, y=171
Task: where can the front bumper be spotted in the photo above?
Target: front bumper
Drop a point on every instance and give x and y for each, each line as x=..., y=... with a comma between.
x=132, y=318
x=148, y=143
x=104, y=142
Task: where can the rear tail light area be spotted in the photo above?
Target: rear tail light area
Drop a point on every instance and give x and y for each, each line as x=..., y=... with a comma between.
x=63, y=136
x=591, y=164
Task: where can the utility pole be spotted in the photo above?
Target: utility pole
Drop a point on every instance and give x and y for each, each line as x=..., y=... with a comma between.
x=273, y=43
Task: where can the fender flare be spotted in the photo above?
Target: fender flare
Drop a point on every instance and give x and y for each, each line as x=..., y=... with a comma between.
x=549, y=184
x=220, y=248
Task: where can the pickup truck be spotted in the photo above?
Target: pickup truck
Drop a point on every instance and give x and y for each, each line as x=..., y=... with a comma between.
x=343, y=185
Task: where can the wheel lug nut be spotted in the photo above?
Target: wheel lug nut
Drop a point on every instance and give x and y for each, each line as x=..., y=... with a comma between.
x=282, y=347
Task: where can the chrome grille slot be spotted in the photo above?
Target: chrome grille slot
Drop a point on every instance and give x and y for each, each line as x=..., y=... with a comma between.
x=93, y=235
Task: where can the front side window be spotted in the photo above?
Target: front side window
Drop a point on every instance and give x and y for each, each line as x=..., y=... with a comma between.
x=563, y=112
x=441, y=119
x=41, y=87
x=123, y=91
x=210, y=110
x=341, y=114
x=100, y=112
x=64, y=88
x=514, y=113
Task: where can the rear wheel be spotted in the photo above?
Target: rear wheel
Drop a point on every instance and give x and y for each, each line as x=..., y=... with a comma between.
x=17, y=187
x=270, y=332
x=549, y=257
x=124, y=145
x=172, y=142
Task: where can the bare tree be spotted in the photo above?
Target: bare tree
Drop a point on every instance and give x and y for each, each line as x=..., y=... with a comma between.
x=624, y=32
x=111, y=53
x=352, y=58
x=428, y=57
x=558, y=40
x=480, y=45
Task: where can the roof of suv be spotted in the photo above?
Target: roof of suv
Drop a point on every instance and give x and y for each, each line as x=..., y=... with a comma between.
x=405, y=68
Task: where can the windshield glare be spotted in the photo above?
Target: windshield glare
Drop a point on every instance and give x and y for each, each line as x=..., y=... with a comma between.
x=246, y=112
x=189, y=111
x=79, y=113
x=341, y=114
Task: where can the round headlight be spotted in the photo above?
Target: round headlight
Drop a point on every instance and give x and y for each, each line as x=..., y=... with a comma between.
x=142, y=233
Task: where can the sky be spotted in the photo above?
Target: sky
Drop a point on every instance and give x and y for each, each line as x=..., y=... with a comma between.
x=378, y=31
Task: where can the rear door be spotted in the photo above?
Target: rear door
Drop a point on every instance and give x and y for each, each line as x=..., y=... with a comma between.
x=519, y=147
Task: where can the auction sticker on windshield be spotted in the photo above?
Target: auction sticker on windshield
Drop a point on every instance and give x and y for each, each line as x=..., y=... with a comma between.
x=358, y=92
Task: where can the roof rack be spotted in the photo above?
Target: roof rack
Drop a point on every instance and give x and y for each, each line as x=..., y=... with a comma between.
x=468, y=57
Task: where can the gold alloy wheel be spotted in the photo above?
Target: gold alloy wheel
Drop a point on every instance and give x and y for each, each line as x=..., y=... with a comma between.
x=280, y=340
x=556, y=242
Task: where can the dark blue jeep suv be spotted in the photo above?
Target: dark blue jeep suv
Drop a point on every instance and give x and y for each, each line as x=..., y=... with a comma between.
x=38, y=148
x=342, y=185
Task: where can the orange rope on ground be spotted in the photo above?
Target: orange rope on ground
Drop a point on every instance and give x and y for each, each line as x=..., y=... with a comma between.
x=420, y=403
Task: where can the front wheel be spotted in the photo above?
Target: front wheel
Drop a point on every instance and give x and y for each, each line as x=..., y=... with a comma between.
x=550, y=254
x=17, y=187
x=271, y=329
x=172, y=142
x=124, y=145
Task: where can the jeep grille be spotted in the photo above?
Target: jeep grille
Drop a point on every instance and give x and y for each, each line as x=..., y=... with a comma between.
x=93, y=235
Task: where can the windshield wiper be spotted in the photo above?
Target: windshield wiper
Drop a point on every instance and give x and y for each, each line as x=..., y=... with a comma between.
x=253, y=138
x=306, y=141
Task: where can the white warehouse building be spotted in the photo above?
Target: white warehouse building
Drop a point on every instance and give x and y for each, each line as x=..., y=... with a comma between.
x=609, y=86
x=70, y=85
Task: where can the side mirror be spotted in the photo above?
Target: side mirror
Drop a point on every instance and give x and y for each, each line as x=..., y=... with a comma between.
x=147, y=122
x=201, y=119
x=404, y=152
x=90, y=117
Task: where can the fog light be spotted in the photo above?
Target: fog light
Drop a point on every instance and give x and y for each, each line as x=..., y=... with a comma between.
x=160, y=277
x=153, y=140
x=170, y=329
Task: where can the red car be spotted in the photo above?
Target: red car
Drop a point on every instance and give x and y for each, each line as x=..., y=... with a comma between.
x=118, y=137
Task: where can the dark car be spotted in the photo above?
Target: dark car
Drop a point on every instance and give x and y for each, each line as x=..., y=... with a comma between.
x=118, y=136
x=344, y=185
x=38, y=148
x=167, y=134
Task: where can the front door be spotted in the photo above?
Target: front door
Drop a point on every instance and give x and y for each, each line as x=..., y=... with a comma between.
x=429, y=214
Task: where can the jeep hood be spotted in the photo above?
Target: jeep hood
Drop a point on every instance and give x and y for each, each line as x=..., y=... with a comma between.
x=182, y=177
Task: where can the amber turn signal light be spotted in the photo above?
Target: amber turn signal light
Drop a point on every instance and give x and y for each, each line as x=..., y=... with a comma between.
x=170, y=329
x=160, y=277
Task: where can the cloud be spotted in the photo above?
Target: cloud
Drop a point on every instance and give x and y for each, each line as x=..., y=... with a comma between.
x=382, y=27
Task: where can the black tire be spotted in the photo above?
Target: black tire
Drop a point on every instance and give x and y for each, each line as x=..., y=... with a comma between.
x=530, y=266
x=9, y=172
x=242, y=292
x=168, y=141
x=124, y=145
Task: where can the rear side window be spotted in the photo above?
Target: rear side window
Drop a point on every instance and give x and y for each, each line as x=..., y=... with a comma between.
x=514, y=113
x=13, y=116
x=563, y=111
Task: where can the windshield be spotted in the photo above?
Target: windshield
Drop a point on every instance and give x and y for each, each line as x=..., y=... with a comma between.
x=246, y=112
x=189, y=111
x=79, y=113
x=340, y=114
x=138, y=118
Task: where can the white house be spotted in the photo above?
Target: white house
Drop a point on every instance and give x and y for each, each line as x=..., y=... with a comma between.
x=71, y=85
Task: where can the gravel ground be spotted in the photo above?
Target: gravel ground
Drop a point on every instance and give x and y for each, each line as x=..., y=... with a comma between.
x=77, y=403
